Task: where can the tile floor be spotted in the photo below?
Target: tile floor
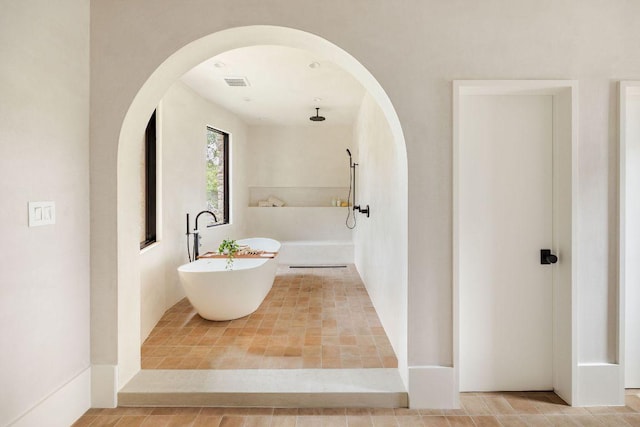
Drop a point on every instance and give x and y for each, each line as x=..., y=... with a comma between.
x=478, y=409
x=311, y=318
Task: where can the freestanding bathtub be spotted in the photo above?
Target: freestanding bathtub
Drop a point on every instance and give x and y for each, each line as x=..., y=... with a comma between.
x=221, y=293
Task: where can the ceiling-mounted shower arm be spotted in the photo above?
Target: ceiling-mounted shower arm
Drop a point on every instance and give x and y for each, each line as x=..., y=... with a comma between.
x=317, y=117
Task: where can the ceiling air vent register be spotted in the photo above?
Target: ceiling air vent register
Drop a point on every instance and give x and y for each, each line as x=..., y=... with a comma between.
x=237, y=81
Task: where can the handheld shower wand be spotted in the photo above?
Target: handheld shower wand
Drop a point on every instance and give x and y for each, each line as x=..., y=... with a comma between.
x=351, y=225
x=352, y=185
x=352, y=190
x=352, y=179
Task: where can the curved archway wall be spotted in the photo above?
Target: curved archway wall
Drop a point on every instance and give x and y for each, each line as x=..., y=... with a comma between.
x=414, y=52
x=377, y=107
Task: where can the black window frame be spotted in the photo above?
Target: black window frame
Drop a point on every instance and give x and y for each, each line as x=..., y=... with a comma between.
x=226, y=217
x=150, y=183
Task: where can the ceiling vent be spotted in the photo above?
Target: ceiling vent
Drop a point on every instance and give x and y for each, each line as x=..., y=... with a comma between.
x=237, y=81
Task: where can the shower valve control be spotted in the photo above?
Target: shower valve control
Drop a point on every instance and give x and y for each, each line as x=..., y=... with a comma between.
x=362, y=210
x=546, y=257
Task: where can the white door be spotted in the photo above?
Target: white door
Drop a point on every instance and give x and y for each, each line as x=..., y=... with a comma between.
x=505, y=218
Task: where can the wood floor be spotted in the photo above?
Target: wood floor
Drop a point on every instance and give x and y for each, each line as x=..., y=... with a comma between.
x=478, y=409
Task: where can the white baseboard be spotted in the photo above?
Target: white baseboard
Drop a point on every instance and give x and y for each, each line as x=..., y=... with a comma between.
x=104, y=386
x=600, y=384
x=433, y=387
x=61, y=408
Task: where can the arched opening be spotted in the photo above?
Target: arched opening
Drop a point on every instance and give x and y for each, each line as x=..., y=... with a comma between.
x=371, y=254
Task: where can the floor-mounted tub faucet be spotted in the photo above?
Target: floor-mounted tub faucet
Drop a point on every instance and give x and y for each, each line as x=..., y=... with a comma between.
x=196, y=234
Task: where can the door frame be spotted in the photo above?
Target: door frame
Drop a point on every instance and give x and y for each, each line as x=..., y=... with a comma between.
x=626, y=88
x=565, y=132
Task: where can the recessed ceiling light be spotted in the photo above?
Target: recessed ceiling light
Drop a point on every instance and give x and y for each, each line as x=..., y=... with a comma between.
x=246, y=99
x=316, y=99
x=314, y=65
x=219, y=64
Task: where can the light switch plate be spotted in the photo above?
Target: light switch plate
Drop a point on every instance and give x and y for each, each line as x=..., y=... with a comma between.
x=42, y=213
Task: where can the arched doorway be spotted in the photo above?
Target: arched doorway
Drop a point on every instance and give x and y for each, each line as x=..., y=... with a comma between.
x=128, y=271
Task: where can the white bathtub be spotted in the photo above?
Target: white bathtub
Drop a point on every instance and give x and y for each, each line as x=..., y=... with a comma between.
x=221, y=293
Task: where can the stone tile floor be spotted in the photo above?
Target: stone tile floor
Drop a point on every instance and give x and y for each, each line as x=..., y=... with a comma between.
x=323, y=318
x=311, y=318
x=478, y=409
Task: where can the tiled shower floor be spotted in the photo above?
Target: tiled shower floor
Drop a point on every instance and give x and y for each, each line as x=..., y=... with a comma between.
x=311, y=318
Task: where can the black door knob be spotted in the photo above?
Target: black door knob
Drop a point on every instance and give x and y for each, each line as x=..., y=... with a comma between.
x=546, y=257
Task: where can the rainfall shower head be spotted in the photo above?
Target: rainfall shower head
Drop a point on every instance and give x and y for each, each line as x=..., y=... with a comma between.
x=349, y=152
x=317, y=117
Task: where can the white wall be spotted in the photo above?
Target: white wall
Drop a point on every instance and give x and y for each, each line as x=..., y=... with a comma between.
x=302, y=166
x=381, y=239
x=184, y=117
x=300, y=156
x=153, y=288
x=44, y=155
x=414, y=55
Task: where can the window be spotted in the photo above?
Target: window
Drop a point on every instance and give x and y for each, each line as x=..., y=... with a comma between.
x=218, y=174
x=148, y=185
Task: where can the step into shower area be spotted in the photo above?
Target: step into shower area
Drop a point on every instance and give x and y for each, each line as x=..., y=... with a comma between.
x=315, y=341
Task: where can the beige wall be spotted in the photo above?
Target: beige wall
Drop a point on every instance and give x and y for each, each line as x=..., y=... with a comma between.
x=44, y=156
x=414, y=52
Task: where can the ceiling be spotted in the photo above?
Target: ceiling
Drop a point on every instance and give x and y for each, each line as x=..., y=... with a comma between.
x=284, y=87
